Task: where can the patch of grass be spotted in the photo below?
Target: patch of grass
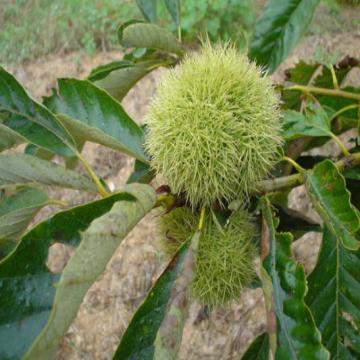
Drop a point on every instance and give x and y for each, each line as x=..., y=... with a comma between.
x=33, y=28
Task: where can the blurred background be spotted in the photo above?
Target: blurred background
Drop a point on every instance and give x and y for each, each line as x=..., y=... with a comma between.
x=34, y=28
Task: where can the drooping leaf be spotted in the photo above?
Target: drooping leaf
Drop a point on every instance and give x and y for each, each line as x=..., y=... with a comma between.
x=27, y=287
x=333, y=297
x=22, y=169
x=279, y=29
x=142, y=173
x=297, y=335
x=148, y=9
x=98, y=244
x=92, y=115
x=145, y=35
x=17, y=211
x=259, y=349
x=326, y=188
x=9, y=138
x=315, y=122
x=30, y=119
x=173, y=7
x=144, y=337
x=103, y=70
x=118, y=82
x=169, y=336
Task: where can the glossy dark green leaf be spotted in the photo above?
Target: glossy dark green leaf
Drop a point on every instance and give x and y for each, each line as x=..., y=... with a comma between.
x=142, y=173
x=333, y=297
x=92, y=115
x=326, y=188
x=278, y=30
x=145, y=35
x=314, y=122
x=17, y=211
x=23, y=169
x=148, y=9
x=118, y=82
x=297, y=335
x=145, y=337
x=98, y=244
x=9, y=138
x=27, y=287
x=174, y=8
x=30, y=119
x=259, y=349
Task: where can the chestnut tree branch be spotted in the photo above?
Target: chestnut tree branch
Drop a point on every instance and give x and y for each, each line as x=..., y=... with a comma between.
x=297, y=179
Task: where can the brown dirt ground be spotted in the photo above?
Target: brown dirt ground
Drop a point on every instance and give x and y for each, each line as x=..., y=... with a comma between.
x=113, y=298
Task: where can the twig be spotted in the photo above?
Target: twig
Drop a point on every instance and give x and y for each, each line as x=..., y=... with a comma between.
x=297, y=179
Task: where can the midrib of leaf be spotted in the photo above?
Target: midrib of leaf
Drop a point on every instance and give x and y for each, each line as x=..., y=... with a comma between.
x=276, y=280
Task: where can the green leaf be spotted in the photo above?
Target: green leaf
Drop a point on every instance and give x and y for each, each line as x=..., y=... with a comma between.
x=34, y=150
x=333, y=297
x=9, y=138
x=173, y=7
x=301, y=74
x=325, y=79
x=104, y=70
x=17, y=211
x=338, y=103
x=27, y=291
x=30, y=119
x=326, y=188
x=315, y=122
x=144, y=35
x=143, y=339
x=259, y=349
x=148, y=9
x=279, y=29
x=118, y=82
x=297, y=335
x=6, y=246
x=92, y=115
x=22, y=169
x=142, y=173
x=98, y=244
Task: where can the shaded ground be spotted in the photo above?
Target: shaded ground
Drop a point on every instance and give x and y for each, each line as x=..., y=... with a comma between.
x=112, y=300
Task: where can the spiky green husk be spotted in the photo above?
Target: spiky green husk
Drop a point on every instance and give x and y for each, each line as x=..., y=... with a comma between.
x=225, y=261
x=214, y=126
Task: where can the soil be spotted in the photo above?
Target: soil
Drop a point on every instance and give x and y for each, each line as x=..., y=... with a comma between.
x=113, y=298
